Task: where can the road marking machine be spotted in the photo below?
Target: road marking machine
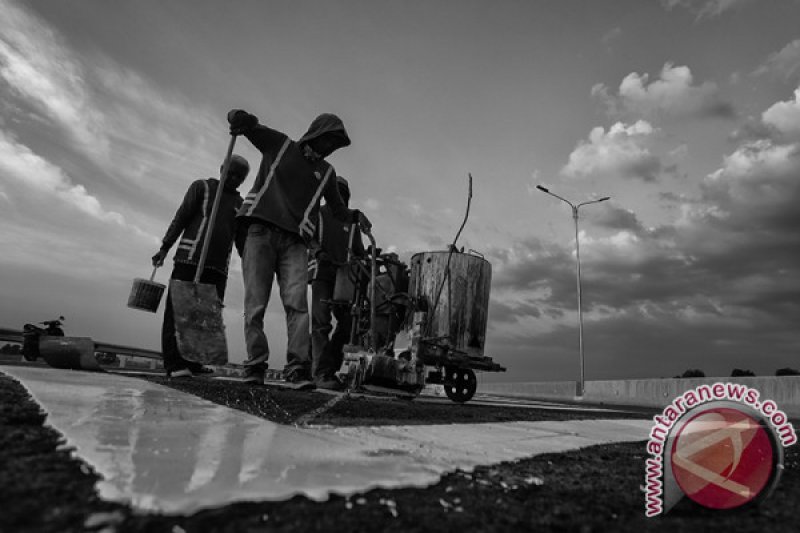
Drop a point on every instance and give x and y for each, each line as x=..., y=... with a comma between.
x=418, y=325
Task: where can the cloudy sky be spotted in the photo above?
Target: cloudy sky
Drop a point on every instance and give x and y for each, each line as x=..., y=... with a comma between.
x=686, y=113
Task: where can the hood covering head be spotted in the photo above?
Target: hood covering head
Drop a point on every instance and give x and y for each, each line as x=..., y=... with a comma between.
x=344, y=188
x=327, y=123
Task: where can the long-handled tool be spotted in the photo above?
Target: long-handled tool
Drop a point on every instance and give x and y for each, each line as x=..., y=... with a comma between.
x=199, y=328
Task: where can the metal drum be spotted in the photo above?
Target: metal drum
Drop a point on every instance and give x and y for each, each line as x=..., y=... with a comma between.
x=461, y=313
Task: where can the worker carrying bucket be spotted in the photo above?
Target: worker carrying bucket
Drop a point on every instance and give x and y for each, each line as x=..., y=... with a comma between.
x=192, y=333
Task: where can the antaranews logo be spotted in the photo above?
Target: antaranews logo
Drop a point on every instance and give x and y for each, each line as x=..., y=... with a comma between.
x=719, y=445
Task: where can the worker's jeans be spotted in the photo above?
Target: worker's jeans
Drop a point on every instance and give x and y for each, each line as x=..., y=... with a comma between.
x=272, y=252
x=326, y=350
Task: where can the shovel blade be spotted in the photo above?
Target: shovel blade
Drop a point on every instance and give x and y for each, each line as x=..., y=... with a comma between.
x=199, y=329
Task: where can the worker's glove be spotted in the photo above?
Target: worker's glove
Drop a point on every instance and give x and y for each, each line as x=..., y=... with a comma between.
x=322, y=256
x=241, y=121
x=363, y=221
x=158, y=259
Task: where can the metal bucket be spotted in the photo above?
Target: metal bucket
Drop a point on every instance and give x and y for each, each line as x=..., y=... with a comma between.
x=146, y=294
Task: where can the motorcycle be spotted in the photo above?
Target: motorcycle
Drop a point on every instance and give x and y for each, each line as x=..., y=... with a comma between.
x=32, y=333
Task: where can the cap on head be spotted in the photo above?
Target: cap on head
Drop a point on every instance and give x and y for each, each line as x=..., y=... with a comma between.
x=239, y=164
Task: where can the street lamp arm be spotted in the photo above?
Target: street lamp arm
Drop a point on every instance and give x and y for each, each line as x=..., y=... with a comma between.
x=594, y=201
x=544, y=190
x=581, y=383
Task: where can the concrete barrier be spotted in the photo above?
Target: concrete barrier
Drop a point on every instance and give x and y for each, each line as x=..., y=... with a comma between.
x=540, y=390
x=656, y=393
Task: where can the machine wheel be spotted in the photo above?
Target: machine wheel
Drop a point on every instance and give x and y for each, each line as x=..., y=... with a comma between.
x=460, y=384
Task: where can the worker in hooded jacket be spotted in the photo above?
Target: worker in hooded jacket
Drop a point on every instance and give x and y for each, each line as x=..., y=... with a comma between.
x=331, y=248
x=280, y=213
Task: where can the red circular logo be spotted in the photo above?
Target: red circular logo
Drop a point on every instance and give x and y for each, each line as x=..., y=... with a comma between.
x=722, y=458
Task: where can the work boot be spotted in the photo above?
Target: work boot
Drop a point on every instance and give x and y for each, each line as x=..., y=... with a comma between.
x=197, y=368
x=329, y=383
x=180, y=373
x=254, y=375
x=299, y=380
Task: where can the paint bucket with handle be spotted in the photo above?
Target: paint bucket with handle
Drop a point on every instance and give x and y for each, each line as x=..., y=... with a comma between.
x=146, y=294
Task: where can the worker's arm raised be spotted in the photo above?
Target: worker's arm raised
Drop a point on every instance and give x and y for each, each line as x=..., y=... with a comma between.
x=267, y=140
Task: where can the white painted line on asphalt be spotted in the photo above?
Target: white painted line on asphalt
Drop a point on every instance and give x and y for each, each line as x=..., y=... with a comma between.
x=163, y=450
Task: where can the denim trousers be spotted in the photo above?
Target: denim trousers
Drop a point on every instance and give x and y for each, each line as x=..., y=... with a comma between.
x=269, y=253
x=326, y=349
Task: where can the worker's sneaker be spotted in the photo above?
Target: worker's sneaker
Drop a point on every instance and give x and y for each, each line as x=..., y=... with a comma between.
x=180, y=373
x=197, y=368
x=329, y=383
x=253, y=375
x=299, y=381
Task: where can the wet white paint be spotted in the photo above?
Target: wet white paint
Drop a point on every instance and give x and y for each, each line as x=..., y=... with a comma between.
x=161, y=449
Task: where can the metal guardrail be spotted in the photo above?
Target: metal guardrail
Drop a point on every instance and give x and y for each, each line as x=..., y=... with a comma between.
x=13, y=335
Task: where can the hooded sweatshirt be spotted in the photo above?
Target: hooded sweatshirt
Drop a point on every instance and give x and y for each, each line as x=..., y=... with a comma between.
x=336, y=238
x=289, y=184
x=192, y=219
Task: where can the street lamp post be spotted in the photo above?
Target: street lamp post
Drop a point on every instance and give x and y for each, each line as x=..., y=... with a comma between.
x=580, y=387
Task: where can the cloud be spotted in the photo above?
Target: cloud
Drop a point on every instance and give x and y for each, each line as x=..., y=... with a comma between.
x=129, y=135
x=611, y=36
x=501, y=311
x=785, y=117
x=751, y=129
x=757, y=190
x=372, y=204
x=705, y=8
x=723, y=274
x=672, y=94
x=783, y=64
x=33, y=172
x=19, y=162
x=621, y=151
x=36, y=66
x=617, y=218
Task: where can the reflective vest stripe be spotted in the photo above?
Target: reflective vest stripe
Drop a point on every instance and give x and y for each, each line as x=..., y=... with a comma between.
x=268, y=179
x=306, y=223
x=201, y=229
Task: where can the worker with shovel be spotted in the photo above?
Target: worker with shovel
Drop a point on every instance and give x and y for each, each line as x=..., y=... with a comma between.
x=280, y=213
x=333, y=241
x=190, y=223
